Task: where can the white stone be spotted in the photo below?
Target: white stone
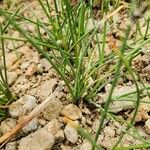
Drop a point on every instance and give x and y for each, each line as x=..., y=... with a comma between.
x=24, y=65
x=39, y=140
x=22, y=106
x=86, y=146
x=40, y=68
x=71, y=134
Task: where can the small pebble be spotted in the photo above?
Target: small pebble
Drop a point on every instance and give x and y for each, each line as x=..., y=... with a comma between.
x=71, y=134
x=12, y=76
x=22, y=106
x=147, y=126
x=31, y=70
x=7, y=125
x=31, y=126
x=44, y=62
x=40, y=68
x=11, y=146
x=71, y=111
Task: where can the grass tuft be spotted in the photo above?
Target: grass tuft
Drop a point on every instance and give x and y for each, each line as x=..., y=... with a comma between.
x=70, y=31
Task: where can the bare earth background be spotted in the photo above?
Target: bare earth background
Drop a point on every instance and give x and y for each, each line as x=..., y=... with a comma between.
x=32, y=79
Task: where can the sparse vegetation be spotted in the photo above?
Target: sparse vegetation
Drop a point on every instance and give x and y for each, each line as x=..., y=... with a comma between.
x=6, y=95
x=75, y=44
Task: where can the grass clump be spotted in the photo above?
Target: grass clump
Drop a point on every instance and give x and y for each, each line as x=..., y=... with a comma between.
x=69, y=33
x=67, y=45
x=6, y=95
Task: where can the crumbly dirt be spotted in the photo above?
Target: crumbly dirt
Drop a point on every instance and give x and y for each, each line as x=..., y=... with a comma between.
x=32, y=79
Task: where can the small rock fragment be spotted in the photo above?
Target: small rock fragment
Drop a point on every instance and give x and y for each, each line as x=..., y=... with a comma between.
x=22, y=106
x=59, y=136
x=71, y=111
x=118, y=106
x=39, y=140
x=40, y=68
x=11, y=146
x=83, y=120
x=88, y=121
x=45, y=89
x=53, y=109
x=128, y=139
x=147, y=126
x=53, y=126
x=44, y=62
x=11, y=59
x=42, y=122
x=118, y=128
x=71, y=134
x=143, y=111
x=108, y=142
x=146, y=69
x=91, y=24
x=7, y=125
x=86, y=146
x=86, y=111
x=12, y=76
x=25, y=50
x=24, y=65
x=145, y=59
x=11, y=45
x=31, y=70
x=109, y=131
x=31, y=126
x=15, y=67
x=95, y=125
x=35, y=57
